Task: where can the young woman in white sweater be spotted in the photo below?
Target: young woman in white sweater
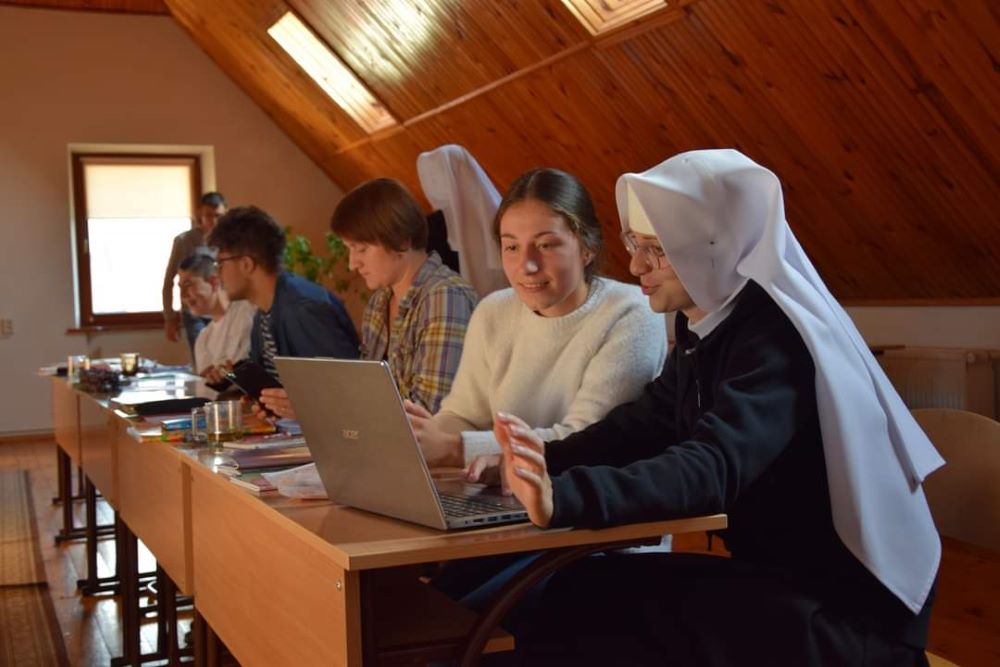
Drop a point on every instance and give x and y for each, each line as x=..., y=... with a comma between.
x=561, y=346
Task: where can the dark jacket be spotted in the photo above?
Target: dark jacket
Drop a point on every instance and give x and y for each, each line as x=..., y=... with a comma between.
x=306, y=321
x=731, y=425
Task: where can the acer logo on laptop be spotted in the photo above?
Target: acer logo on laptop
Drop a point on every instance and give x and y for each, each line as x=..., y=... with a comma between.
x=350, y=434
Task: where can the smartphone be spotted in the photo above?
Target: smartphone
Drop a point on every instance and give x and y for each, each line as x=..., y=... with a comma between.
x=251, y=378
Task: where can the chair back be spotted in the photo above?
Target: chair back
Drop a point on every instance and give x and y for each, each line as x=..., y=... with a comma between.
x=964, y=494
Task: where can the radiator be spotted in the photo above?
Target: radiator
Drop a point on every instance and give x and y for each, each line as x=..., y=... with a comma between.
x=944, y=378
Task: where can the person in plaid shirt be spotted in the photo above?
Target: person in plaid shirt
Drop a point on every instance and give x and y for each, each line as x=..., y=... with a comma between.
x=417, y=316
x=419, y=310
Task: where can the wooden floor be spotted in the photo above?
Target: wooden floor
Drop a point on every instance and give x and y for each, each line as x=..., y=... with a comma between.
x=965, y=627
x=91, y=627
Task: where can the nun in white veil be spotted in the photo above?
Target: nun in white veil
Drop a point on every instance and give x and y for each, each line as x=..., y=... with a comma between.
x=771, y=409
x=455, y=183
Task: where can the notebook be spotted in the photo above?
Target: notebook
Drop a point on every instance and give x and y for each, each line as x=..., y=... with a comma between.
x=366, y=454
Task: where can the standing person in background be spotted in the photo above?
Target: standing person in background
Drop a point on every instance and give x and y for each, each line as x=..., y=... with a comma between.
x=295, y=317
x=226, y=339
x=210, y=208
x=419, y=309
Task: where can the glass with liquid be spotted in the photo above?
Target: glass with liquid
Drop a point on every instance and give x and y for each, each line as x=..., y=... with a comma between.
x=223, y=422
x=130, y=363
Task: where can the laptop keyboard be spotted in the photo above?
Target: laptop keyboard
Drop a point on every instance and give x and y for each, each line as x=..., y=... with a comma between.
x=461, y=506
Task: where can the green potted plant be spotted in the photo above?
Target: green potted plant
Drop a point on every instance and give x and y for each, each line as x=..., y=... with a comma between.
x=331, y=270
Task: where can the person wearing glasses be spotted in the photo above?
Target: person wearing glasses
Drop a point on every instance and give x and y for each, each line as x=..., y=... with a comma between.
x=771, y=409
x=226, y=339
x=295, y=317
x=210, y=208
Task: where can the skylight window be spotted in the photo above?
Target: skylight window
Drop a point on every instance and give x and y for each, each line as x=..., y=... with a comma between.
x=336, y=80
x=603, y=16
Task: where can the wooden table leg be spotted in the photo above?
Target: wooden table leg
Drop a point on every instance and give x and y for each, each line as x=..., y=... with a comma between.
x=68, y=531
x=130, y=597
x=213, y=648
x=90, y=500
x=169, y=633
x=369, y=650
x=200, y=639
x=163, y=607
x=208, y=648
x=94, y=584
x=62, y=474
x=131, y=620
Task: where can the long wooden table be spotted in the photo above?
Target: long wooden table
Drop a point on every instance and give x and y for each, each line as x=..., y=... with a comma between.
x=282, y=581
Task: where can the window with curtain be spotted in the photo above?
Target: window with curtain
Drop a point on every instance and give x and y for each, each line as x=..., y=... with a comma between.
x=128, y=210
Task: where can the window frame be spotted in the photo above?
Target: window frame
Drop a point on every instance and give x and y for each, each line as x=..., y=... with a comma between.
x=86, y=317
x=604, y=19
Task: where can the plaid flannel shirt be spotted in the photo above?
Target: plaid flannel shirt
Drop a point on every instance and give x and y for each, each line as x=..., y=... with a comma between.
x=425, y=344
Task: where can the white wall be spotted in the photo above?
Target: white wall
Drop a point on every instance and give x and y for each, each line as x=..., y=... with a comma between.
x=917, y=326
x=962, y=327
x=83, y=77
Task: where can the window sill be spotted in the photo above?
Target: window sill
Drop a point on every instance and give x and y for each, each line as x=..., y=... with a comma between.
x=112, y=328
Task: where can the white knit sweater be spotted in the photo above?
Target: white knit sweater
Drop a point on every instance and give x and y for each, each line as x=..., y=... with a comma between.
x=226, y=339
x=559, y=374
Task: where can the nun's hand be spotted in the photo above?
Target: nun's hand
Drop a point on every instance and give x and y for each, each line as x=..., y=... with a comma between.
x=524, y=467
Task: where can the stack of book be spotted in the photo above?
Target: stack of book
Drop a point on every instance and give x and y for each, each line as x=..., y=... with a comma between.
x=251, y=460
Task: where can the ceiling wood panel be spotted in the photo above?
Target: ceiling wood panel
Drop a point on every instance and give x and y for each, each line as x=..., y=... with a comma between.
x=121, y=6
x=234, y=34
x=880, y=118
x=416, y=54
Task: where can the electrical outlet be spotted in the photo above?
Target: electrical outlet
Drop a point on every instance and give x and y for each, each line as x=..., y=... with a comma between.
x=6, y=328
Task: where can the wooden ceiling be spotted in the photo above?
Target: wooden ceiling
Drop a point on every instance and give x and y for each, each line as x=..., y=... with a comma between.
x=120, y=6
x=880, y=117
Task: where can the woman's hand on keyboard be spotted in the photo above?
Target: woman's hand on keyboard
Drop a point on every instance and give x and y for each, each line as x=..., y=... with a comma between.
x=487, y=469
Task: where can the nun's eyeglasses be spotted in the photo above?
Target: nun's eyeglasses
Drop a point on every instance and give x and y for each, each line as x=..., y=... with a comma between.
x=651, y=253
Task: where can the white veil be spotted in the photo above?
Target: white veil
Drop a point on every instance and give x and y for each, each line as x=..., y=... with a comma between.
x=455, y=183
x=721, y=221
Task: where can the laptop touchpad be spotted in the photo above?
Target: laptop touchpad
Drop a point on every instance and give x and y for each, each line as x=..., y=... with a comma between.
x=491, y=494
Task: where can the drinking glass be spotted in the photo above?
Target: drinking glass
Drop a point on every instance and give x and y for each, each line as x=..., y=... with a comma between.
x=75, y=363
x=223, y=422
x=130, y=363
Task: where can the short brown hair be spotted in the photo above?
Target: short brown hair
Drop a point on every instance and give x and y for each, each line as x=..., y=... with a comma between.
x=565, y=195
x=381, y=211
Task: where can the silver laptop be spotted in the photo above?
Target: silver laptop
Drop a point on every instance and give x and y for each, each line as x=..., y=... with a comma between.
x=367, y=456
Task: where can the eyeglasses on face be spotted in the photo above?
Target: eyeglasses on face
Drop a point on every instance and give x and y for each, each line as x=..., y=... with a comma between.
x=219, y=261
x=651, y=253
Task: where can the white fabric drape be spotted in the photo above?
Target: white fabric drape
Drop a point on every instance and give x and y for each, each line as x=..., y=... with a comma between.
x=721, y=221
x=455, y=183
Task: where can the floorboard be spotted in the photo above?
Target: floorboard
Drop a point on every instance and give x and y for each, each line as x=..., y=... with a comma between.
x=91, y=627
